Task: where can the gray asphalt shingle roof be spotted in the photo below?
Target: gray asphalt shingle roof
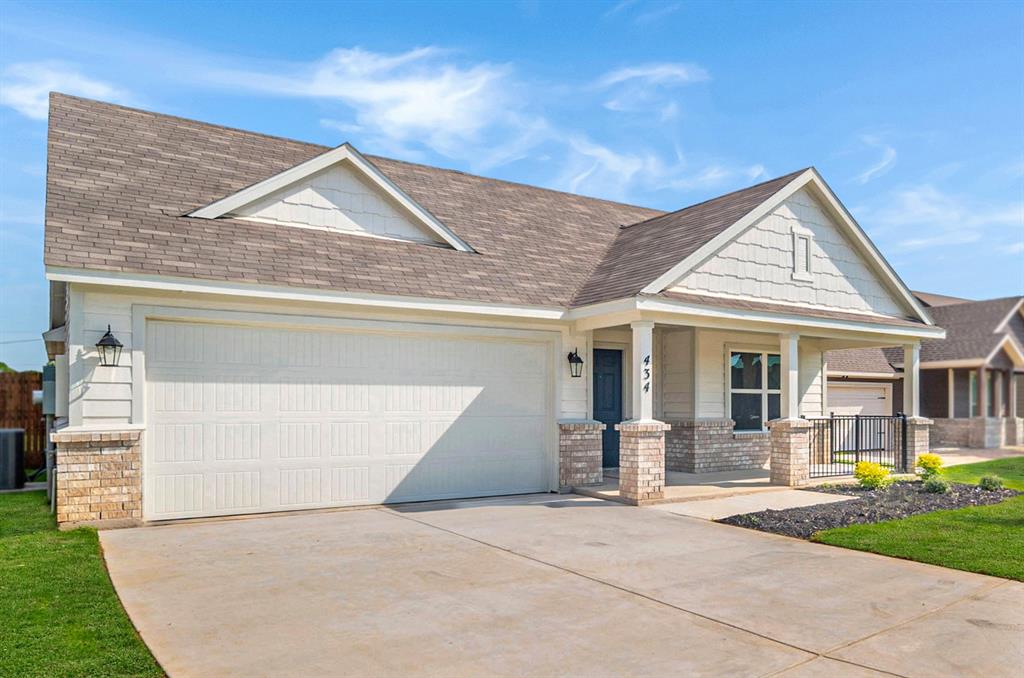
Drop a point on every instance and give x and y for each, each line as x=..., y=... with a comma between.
x=971, y=334
x=120, y=180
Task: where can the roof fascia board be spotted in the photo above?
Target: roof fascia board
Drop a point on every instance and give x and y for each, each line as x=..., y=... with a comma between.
x=809, y=177
x=663, y=281
x=769, y=318
x=591, y=317
x=936, y=364
x=305, y=169
x=298, y=294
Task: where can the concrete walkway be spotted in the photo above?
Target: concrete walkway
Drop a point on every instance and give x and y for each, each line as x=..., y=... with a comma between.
x=716, y=509
x=542, y=586
x=954, y=456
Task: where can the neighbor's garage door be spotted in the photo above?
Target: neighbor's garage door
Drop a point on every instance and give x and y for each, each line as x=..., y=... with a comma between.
x=860, y=398
x=247, y=419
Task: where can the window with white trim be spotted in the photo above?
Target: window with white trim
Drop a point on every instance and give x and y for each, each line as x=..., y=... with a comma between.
x=755, y=389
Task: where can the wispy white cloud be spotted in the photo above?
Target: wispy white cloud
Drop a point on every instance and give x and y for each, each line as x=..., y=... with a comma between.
x=421, y=95
x=946, y=219
x=884, y=163
x=644, y=87
x=1014, y=248
x=595, y=169
x=618, y=8
x=657, y=11
x=664, y=73
x=26, y=87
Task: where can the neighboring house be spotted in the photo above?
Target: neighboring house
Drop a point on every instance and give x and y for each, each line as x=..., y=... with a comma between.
x=970, y=381
x=306, y=326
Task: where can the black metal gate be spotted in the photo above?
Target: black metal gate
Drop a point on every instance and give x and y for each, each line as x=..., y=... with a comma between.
x=838, y=442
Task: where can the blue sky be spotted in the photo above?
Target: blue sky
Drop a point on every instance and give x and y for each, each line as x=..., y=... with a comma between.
x=914, y=113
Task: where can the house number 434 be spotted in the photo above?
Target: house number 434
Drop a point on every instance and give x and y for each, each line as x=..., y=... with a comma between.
x=646, y=379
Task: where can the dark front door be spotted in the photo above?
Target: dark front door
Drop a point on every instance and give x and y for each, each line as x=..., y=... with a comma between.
x=608, y=400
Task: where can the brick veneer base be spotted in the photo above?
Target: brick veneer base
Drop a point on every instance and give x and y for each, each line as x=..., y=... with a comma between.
x=951, y=432
x=641, y=461
x=579, y=454
x=791, y=452
x=987, y=432
x=1014, y=431
x=711, y=446
x=99, y=478
x=917, y=440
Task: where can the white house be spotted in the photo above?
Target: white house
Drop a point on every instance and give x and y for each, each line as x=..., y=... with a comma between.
x=310, y=327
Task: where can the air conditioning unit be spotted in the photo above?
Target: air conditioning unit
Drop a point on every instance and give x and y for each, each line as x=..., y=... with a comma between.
x=12, y=458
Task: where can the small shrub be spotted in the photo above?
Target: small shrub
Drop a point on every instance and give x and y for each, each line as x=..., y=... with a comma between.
x=936, y=485
x=929, y=464
x=871, y=475
x=991, y=483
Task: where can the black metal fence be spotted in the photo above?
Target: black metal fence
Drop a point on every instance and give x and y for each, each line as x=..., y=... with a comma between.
x=838, y=442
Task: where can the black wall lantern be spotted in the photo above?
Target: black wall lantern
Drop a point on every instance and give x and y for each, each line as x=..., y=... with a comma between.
x=110, y=349
x=575, y=364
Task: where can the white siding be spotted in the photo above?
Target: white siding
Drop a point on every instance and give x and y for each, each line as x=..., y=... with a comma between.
x=99, y=395
x=812, y=379
x=575, y=396
x=758, y=264
x=676, y=362
x=337, y=199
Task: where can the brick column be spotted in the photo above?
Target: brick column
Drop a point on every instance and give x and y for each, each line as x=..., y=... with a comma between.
x=641, y=461
x=791, y=452
x=99, y=478
x=917, y=440
x=579, y=454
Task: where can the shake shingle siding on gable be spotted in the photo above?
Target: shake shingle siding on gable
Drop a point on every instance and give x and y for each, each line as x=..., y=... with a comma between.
x=759, y=263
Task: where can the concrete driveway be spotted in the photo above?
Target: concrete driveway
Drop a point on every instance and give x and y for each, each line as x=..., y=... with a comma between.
x=543, y=586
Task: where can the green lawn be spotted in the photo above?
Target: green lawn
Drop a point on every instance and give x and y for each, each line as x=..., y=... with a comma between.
x=985, y=539
x=59, y=615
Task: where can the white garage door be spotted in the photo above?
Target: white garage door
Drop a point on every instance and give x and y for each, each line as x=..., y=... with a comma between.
x=245, y=419
x=860, y=398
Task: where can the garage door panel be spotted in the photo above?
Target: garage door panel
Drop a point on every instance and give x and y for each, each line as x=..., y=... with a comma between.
x=301, y=419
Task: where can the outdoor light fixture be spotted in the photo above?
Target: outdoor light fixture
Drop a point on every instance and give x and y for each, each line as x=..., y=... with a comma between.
x=110, y=349
x=575, y=364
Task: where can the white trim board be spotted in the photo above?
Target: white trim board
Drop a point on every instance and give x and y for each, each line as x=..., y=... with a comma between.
x=297, y=294
x=344, y=153
x=851, y=228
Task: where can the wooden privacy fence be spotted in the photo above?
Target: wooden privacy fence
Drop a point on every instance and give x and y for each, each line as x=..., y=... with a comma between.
x=18, y=411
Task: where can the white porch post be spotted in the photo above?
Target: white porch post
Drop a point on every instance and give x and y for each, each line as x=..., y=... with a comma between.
x=790, y=435
x=982, y=392
x=643, y=370
x=1013, y=395
x=790, y=368
x=912, y=380
x=999, y=394
x=951, y=383
x=642, y=439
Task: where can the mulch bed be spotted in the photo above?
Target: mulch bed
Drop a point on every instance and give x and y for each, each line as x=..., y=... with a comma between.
x=899, y=500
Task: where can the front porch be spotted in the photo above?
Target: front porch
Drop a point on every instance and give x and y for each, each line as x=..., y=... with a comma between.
x=680, y=411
